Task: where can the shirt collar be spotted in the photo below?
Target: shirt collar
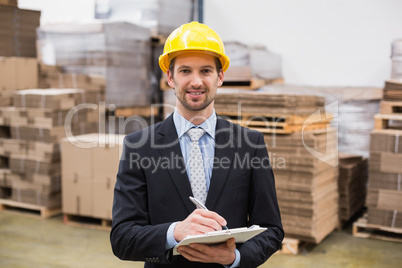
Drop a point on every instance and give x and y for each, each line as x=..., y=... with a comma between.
x=183, y=125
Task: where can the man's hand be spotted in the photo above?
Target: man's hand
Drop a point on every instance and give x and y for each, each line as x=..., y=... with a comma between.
x=223, y=254
x=200, y=221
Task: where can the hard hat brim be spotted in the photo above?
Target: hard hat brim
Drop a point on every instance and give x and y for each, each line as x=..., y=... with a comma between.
x=165, y=59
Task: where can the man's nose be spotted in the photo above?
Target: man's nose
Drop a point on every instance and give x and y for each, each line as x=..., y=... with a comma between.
x=196, y=80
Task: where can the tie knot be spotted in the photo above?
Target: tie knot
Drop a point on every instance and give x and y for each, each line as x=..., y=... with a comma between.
x=195, y=133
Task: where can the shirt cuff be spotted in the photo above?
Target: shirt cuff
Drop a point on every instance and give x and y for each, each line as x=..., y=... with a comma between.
x=236, y=263
x=170, y=240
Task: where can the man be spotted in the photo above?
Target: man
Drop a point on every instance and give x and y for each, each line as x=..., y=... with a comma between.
x=159, y=170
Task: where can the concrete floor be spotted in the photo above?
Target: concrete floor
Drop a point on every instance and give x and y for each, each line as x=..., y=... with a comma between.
x=33, y=242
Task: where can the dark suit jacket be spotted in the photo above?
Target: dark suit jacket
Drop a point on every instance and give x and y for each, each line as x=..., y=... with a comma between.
x=152, y=191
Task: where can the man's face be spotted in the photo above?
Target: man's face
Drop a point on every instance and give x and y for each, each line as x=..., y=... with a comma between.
x=195, y=80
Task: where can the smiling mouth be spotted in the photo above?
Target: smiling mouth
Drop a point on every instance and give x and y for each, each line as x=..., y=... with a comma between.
x=196, y=93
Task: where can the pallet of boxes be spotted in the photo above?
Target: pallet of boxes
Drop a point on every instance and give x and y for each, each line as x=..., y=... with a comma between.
x=37, y=122
x=303, y=154
x=110, y=60
x=18, y=70
x=384, y=196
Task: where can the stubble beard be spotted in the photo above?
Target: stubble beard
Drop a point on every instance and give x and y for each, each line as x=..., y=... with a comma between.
x=182, y=99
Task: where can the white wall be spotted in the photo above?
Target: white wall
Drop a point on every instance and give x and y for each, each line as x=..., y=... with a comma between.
x=61, y=11
x=322, y=42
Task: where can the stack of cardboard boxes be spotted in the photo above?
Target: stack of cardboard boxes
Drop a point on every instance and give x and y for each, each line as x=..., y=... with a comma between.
x=18, y=70
x=93, y=87
x=5, y=180
x=11, y=3
x=353, y=109
x=17, y=31
x=119, y=52
x=18, y=64
x=36, y=123
x=351, y=184
x=89, y=168
x=303, y=153
x=252, y=62
x=306, y=176
x=384, y=196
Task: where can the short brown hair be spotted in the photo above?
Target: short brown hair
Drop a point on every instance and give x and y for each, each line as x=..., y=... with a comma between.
x=218, y=65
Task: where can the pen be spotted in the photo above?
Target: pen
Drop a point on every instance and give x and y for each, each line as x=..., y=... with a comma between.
x=201, y=206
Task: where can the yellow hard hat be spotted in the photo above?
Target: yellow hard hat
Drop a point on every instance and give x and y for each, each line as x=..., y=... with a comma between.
x=193, y=37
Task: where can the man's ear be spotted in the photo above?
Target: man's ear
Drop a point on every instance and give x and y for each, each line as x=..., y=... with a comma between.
x=170, y=79
x=221, y=75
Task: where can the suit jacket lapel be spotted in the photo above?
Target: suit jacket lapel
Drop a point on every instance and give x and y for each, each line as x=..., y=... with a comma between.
x=167, y=137
x=224, y=148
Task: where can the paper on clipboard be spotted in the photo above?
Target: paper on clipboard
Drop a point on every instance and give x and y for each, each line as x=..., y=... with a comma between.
x=241, y=235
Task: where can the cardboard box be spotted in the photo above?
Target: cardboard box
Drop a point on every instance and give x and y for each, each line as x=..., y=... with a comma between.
x=48, y=151
x=103, y=190
x=11, y=3
x=77, y=196
x=27, y=73
x=13, y=116
x=387, y=218
x=16, y=147
x=386, y=141
x=23, y=164
x=36, y=198
x=76, y=161
x=95, y=168
x=28, y=133
x=57, y=99
x=381, y=180
x=18, y=35
x=384, y=199
x=109, y=151
x=18, y=73
x=8, y=74
x=385, y=162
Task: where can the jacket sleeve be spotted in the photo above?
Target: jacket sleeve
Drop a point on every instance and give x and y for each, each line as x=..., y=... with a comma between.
x=132, y=236
x=263, y=210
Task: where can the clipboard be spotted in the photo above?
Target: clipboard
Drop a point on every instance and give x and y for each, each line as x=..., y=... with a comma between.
x=241, y=235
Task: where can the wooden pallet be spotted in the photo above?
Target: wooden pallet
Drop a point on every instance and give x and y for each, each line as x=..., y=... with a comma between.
x=276, y=123
x=263, y=118
x=391, y=107
x=362, y=229
x=87, y=222
x=251, y=84
x=287, y=129
x=15, y=207
x=383, y=121
x=291, y=246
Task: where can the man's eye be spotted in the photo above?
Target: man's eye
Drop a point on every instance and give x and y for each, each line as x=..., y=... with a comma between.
x=206, y=71
x=186, y=71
